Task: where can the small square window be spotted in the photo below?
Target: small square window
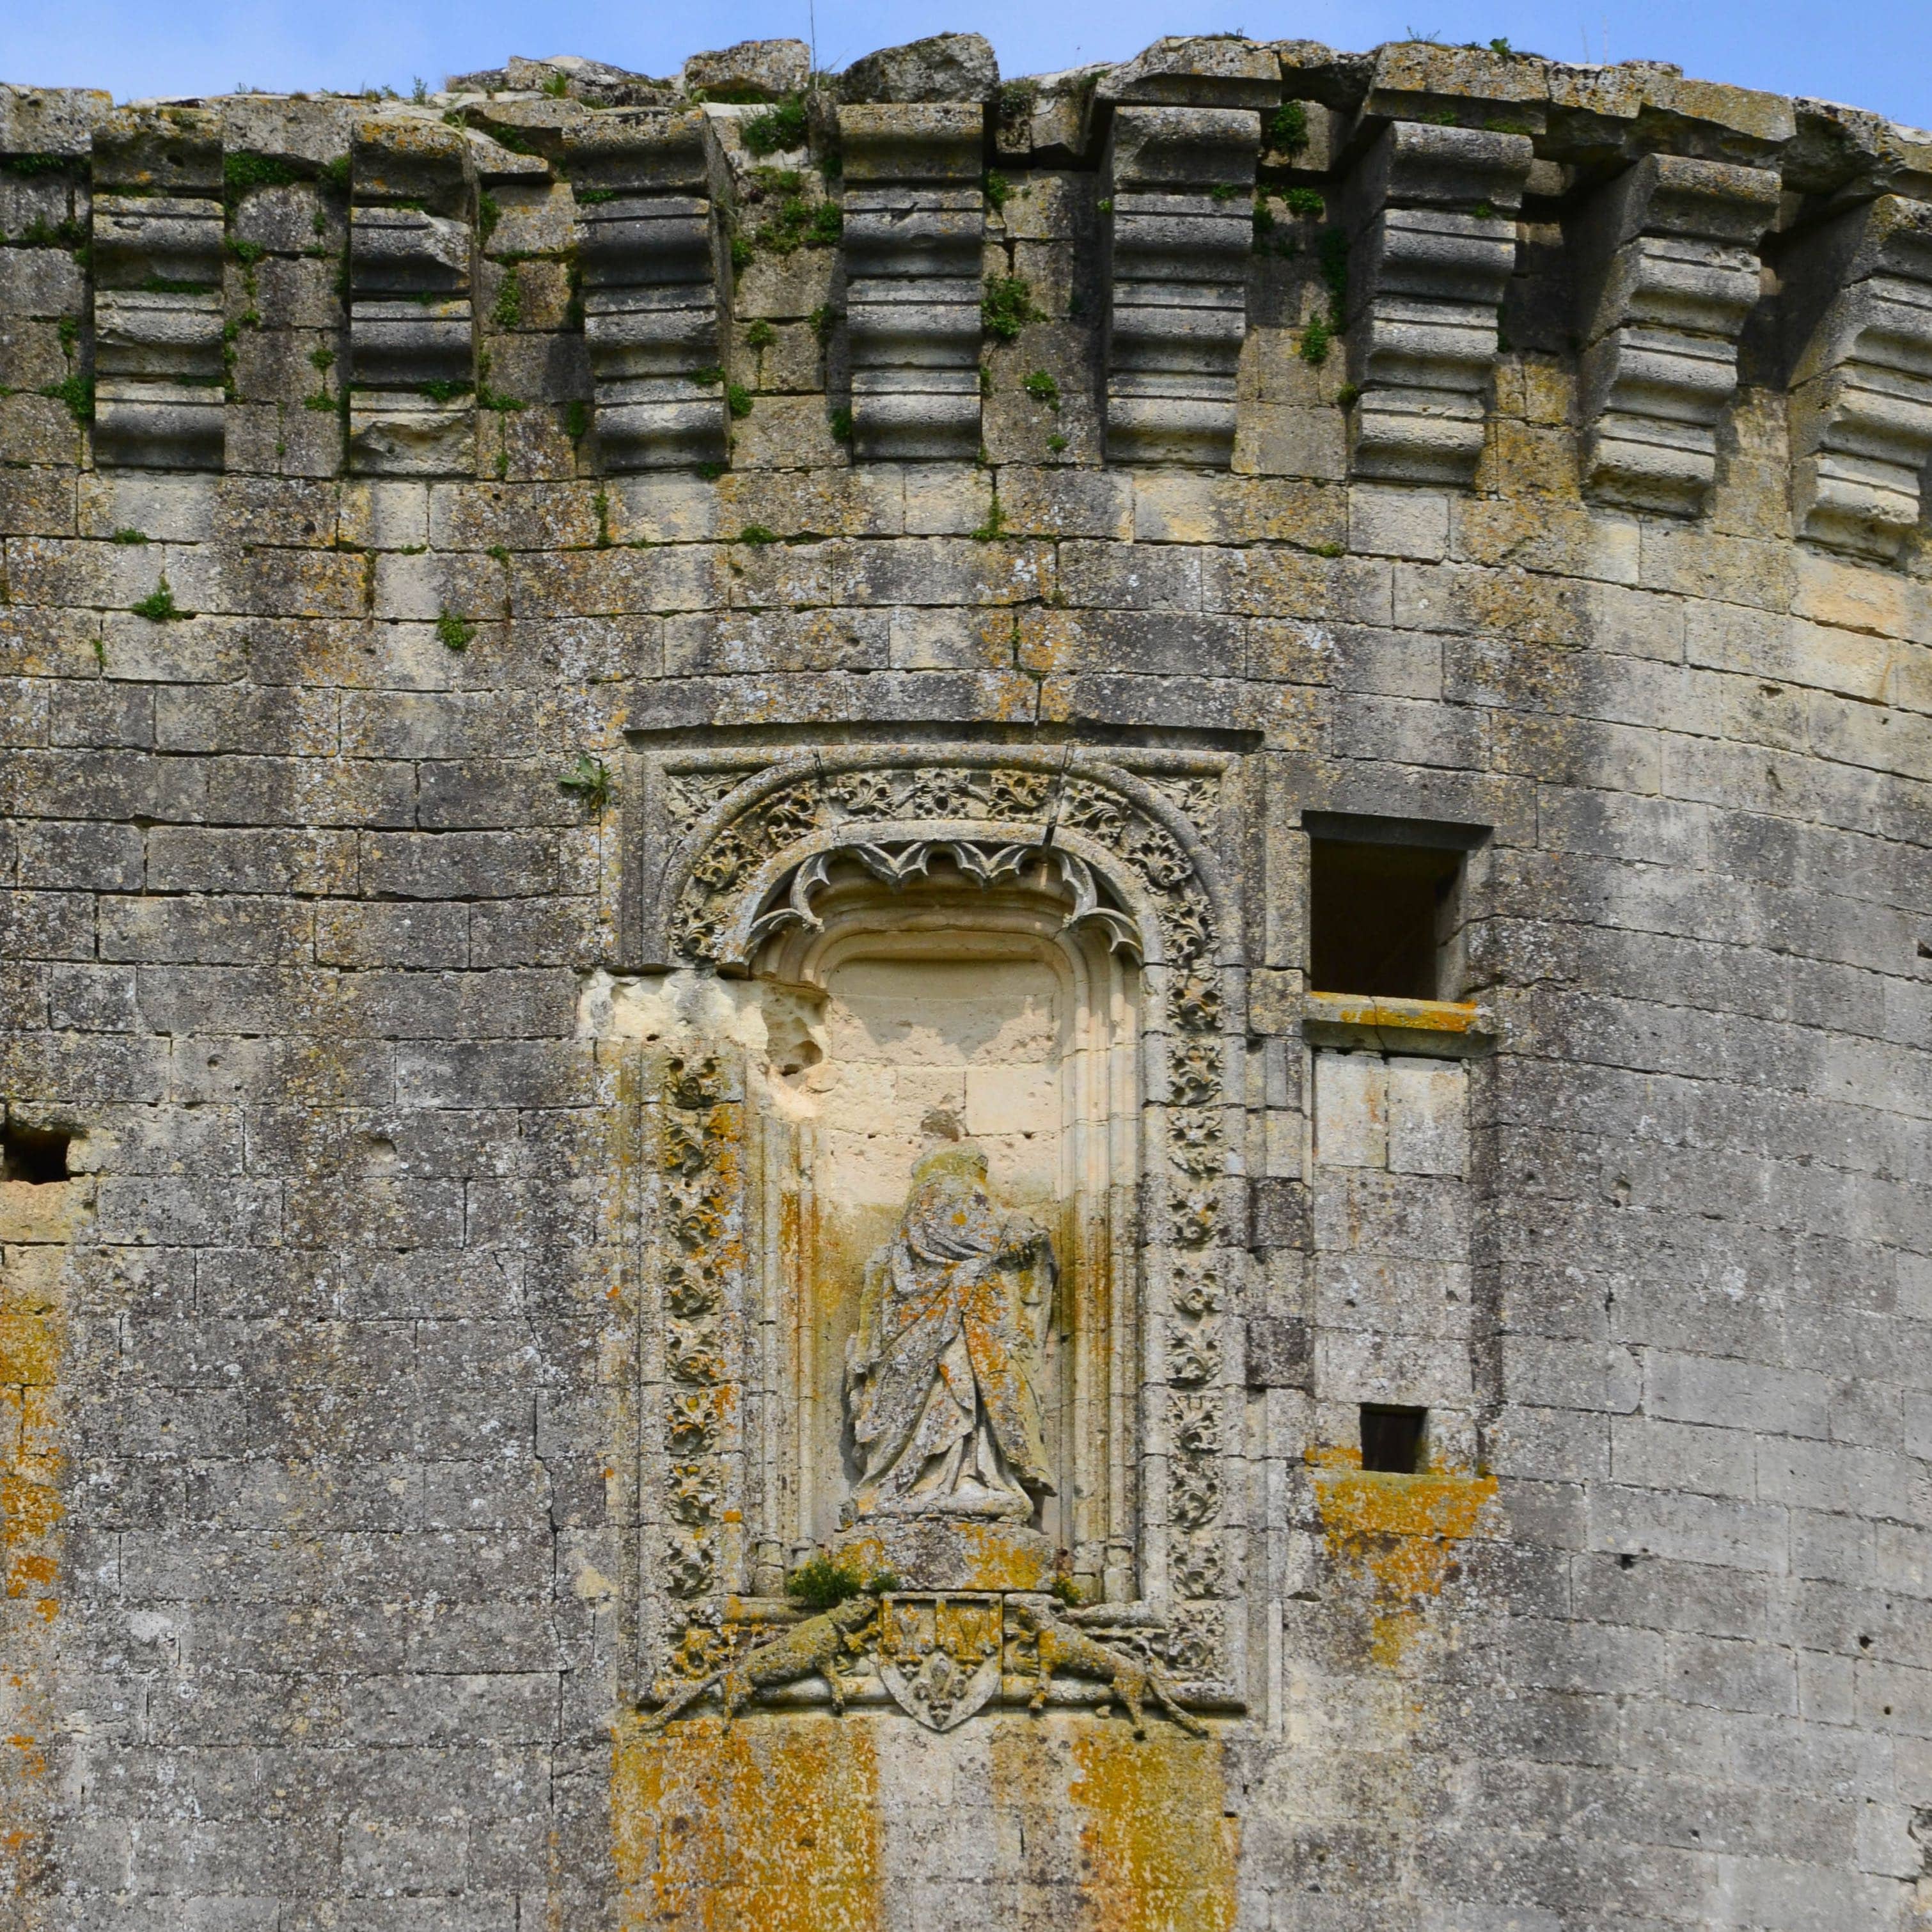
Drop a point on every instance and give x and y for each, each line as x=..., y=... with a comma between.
x=1394, y=1441
x=1383, y=906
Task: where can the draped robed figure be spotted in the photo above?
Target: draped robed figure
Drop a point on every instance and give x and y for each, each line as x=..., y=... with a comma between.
x=941, y=1373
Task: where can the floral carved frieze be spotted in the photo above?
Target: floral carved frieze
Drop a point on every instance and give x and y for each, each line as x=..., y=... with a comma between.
x=941, y=1657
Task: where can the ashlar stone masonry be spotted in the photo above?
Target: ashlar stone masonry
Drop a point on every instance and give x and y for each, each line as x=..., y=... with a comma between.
x=934, y=1003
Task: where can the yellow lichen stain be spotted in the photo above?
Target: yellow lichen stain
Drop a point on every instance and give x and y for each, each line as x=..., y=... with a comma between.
x=1159, y=1851
x=762, y=1825
x=1399, y=1532
x=37, y=1222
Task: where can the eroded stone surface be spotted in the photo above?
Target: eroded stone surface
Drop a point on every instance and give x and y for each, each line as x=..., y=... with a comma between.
x=524, y=826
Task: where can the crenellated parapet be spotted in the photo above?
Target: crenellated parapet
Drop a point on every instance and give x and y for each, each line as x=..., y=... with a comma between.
x=156, y=247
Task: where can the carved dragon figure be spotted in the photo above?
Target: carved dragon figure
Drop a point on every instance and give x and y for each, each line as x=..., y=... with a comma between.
x=812, y=1649
x=1061, y=1646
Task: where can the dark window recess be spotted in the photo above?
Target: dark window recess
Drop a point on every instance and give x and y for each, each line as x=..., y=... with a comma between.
x=1393, y=1439
x=1375, y=916
x=34, y=1154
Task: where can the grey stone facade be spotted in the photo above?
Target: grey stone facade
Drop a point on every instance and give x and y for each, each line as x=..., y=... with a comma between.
x=432, y=533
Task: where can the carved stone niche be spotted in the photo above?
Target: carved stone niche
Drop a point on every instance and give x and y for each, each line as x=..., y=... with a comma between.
x=942, y=1102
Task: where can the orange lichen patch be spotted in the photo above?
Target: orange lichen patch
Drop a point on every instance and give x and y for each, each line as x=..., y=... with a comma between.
x=1456, y=1016
x=36, y=1222
x=977, y=1555
x=1400, y=1532
x=1161, y=1851
x=759, y=1826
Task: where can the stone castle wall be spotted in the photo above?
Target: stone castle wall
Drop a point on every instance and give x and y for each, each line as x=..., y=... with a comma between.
x=465, y=560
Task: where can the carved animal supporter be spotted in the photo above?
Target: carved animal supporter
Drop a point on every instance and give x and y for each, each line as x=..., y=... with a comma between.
x=941, y=1657
x=1059, y=1646
x=813, y=1648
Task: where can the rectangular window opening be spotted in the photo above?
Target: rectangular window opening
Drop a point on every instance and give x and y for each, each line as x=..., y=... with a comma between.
x=1394, y=1441
x=1383, y=915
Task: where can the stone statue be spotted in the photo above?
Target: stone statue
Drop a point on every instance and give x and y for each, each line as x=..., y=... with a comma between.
x=941, y=1376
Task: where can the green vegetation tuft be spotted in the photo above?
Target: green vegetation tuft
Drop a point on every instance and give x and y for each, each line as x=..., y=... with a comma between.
x=1006, y=306
x=77, y=392
x=28, y=166
x=758, y=533
x=1042, y=388
x=784, y=126
x=823, y=1583
x=576, y=420
x=994, y=527
x=129, y=535
x=997, y=189
x=1305, y=201
x=590, y=778
x=158, y=607
x=489, y=212
x=507, y=311
x=1316, y=339
x=1017, y=98
x=841, y=425
x=242, y=169
x=1287, y=128
x=738, y=399
x=458, y=633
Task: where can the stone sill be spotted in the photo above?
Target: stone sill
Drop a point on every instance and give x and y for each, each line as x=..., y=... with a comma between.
x=1447, y=1029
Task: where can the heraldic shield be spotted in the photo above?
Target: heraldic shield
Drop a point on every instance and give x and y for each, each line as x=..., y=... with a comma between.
x=940, y=1656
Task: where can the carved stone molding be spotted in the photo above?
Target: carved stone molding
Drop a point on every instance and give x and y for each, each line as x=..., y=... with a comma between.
x=411, y=324
x=941, y=1657
x=1861, y=376
x=746, y=854
x=1178, y=188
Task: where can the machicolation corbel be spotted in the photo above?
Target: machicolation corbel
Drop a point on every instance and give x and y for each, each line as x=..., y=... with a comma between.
x=1432, y=244
x=157, y=312
x=1666, y=272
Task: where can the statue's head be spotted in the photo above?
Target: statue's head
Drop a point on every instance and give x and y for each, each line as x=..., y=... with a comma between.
x=960, y=1160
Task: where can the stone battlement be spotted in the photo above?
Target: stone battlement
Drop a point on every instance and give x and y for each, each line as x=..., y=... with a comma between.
x=1264, y=257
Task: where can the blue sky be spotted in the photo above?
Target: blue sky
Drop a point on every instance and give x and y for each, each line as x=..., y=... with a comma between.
x=1878, y=55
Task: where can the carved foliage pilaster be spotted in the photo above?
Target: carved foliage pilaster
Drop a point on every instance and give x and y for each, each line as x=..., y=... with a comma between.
x=701, y=1289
